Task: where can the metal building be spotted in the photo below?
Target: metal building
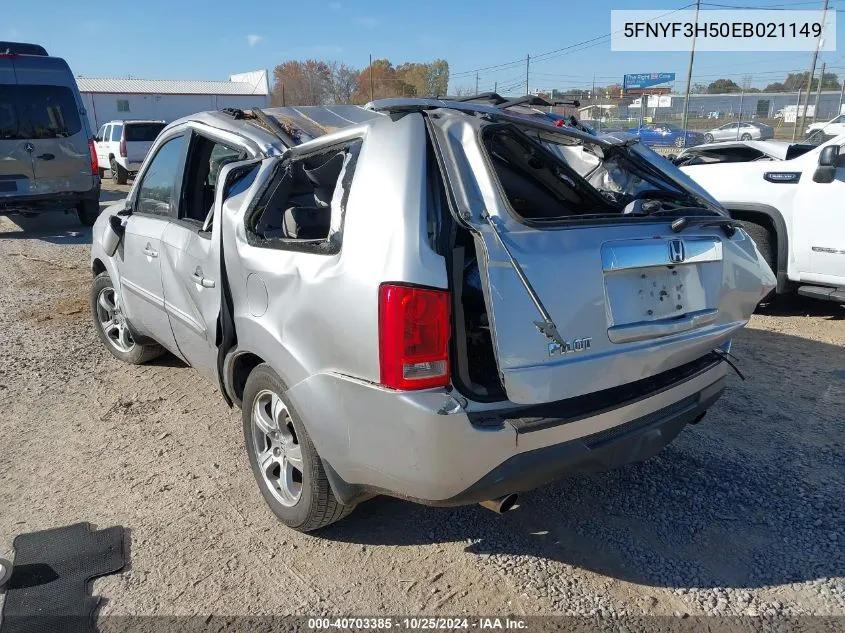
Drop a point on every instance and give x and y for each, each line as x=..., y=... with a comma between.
x=166, y=99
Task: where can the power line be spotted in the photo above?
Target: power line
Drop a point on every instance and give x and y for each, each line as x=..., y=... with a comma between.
x=555, y=53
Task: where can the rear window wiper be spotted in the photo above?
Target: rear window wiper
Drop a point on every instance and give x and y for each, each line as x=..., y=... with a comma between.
x=728, y=225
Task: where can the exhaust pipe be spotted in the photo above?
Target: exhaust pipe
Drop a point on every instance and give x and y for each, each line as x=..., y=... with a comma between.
x=500, y=505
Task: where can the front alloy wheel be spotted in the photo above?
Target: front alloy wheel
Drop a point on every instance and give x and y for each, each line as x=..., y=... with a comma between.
x=112, y=321
x=112, y=326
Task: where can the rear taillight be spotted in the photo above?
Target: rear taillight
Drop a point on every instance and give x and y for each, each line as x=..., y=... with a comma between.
x=93, y=152
x=560, y=123
x=123, y=147
x=414, y=331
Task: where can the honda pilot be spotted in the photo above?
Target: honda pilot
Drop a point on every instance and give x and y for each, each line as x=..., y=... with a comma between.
x=444, y=302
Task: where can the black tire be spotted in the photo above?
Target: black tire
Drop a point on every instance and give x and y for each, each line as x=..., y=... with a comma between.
x=88, y=211
x=138, y=353
x=118, y=173
x=708, y=138
x=316, y=506
x=680, y=142
x=745, y=137
x=767, y=245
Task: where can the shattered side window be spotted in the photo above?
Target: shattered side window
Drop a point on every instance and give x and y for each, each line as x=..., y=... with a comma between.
x=303, y=208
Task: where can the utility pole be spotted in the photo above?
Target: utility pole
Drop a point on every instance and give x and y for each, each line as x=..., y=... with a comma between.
x=741, y=98
x=812, y=69
x=372, y=88
x=819, y=93
x=691, y=60
x=496, y=86
x=283, y=95
x=797, y=108
x=527, y=64
x=476, y=83
x=841, y=95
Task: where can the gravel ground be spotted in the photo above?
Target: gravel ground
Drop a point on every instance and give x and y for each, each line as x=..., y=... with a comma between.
x=743, y=514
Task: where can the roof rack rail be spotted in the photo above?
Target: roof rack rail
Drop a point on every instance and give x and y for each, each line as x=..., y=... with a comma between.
x=235, y=113
x=492, y=97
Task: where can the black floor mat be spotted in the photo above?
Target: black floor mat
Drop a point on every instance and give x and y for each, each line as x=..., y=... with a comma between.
x=48, y=590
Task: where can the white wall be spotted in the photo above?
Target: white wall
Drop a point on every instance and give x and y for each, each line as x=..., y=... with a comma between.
x=102, y=107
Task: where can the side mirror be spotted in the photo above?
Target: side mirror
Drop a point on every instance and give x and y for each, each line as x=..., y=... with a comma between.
x=113, y=235
x=97, y=139
x=829, y=160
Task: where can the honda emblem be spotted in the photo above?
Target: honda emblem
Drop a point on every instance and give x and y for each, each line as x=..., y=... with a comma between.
x=676, y=251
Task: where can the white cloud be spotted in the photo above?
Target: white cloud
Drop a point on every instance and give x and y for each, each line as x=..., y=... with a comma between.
x=253, y=40
x=368, y=22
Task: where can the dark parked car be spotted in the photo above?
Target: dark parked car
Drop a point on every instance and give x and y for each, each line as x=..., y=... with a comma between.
x=666, y=134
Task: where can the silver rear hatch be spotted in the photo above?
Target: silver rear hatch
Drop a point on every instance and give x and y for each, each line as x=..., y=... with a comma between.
x=588, y=303
x=139, y=137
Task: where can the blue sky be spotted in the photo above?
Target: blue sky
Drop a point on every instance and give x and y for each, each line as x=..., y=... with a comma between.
x=192, y=39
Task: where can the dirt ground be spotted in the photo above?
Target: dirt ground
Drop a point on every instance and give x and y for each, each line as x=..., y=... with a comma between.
x=743, y=514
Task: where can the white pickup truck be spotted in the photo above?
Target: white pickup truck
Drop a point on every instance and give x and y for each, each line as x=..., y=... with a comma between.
x=795, y=212
x=823, y=131
x=123, y=145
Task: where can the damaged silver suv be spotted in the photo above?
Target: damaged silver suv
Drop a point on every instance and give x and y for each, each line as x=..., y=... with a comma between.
x=445, y=303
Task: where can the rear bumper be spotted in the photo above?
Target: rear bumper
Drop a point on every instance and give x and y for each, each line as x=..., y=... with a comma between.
x=48, y=202
x=428, y=448
x=627, y=443
x=131, y=166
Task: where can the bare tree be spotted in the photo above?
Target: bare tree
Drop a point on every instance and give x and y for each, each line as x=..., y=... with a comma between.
x=343, y=82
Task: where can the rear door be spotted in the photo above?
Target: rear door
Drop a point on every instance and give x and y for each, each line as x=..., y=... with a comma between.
x=51, y=115
x=139, y=139
x=17, y=172
x=191, y=253
x=613, y=302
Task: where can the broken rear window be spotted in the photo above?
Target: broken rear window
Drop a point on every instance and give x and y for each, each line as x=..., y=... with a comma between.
x=550, y=176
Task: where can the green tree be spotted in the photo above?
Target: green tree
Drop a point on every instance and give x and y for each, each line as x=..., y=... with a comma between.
x=798, y=81
x=722, y=86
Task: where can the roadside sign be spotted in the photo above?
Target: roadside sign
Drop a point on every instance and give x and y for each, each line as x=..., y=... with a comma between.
x=646, y=80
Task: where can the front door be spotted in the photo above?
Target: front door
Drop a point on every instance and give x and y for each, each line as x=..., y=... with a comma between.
x=154, y=204
x=819, y=224
x=191, y=255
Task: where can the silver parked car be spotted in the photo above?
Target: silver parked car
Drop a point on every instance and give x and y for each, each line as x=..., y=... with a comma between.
x=740, y=131
x=445, y=303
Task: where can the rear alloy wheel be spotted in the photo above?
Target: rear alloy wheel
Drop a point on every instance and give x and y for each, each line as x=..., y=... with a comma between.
x=284, y=461
x=708, y=138
x=118, y=173
x=745, y=137
x=680, y=142
x=112, y=326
